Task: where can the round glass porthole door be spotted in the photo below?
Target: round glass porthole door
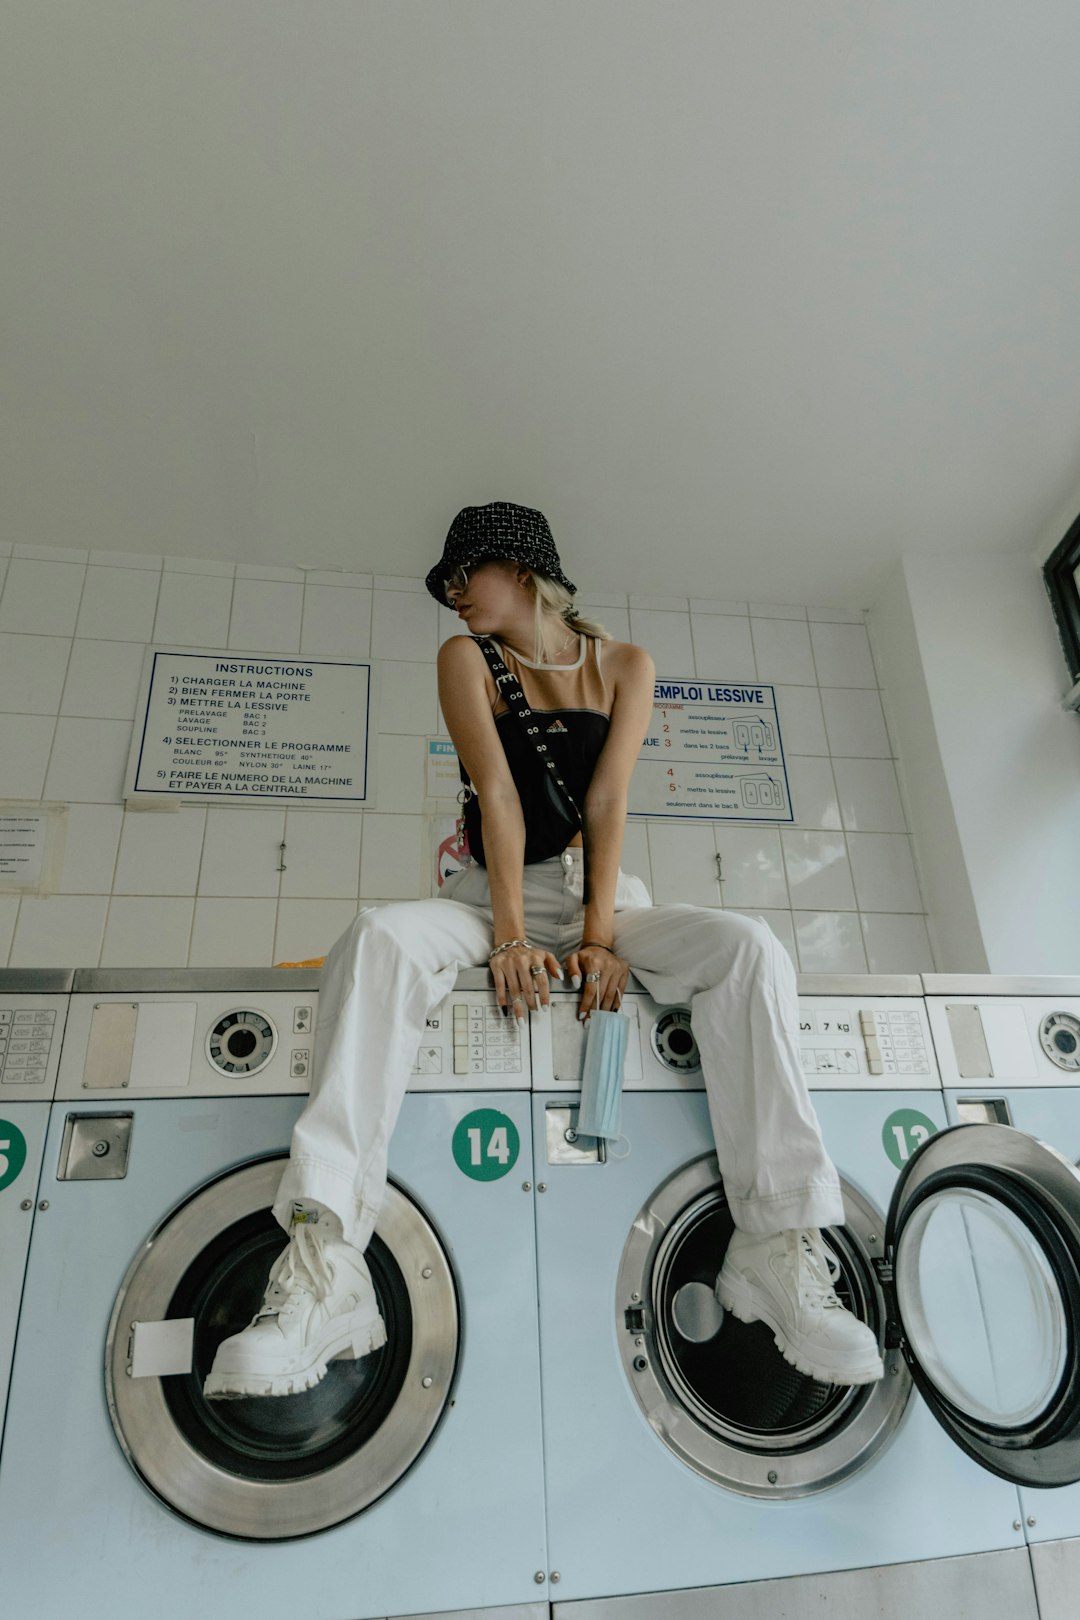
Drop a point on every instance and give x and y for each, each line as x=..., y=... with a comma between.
x=271, y=1469
x=717, y=1391
x=984, y=1231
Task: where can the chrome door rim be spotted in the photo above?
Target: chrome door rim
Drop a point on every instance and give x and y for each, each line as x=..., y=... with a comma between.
x=875, y=1410
x=1039, y=1184
x=273, y=1510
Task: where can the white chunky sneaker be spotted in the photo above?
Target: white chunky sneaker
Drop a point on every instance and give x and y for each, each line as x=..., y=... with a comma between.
x=319, y=1307
x=786, y=1281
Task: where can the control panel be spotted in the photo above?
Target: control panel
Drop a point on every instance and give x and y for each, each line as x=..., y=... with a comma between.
x=468, y=1042
x=852, y=1042
x=661, y=1052
x=262, y=1044
x=888, y=1038
x=1012, y=1040
x=196, y=1045
x=31, y=1033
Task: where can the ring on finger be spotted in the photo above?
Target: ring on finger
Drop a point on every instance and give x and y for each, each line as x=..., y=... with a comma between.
x=538, y=971
x=592, y=978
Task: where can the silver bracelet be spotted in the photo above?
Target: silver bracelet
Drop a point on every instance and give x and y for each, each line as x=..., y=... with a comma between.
x=508, y=945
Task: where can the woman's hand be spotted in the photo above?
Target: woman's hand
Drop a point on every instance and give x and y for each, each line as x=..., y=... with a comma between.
x=521, y=977
x=603, y=977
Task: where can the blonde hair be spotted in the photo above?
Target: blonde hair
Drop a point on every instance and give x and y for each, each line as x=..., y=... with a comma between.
x=555, y=601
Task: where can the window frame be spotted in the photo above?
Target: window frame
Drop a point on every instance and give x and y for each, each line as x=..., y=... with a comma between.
x=1059, y=575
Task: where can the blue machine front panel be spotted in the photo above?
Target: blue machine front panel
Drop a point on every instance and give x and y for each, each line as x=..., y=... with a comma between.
x=22, y=1140
x=464, y=1528
x=624, y=1514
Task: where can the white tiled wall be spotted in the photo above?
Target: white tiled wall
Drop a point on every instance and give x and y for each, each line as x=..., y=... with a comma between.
x=212, y=886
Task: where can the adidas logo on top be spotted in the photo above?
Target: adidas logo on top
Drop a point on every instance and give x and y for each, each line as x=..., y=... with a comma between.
x=556, y=725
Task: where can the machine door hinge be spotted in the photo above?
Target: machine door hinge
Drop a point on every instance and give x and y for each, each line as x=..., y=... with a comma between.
x=883, y=1268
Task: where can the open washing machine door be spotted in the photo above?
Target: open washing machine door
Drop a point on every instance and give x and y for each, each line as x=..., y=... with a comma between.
x=987, y=1218
x=269, y=1469
x=717, y=1391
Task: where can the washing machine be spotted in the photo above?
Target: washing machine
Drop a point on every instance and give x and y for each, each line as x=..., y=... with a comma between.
x=407, y=1482
x=1009, y=1055
x=33, y=1009
x=683, y=1455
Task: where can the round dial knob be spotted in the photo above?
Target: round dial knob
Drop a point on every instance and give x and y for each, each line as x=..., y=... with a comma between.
x=241, y=1042
x=673, y=1041
x=1059, y=1034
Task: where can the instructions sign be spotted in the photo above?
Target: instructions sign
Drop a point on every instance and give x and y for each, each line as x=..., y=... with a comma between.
x=235, y=728
x=713, y=752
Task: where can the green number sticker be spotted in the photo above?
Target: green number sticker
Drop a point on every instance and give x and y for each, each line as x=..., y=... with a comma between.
x=904, y=1132
x=12, y=1152
x=486, y=1144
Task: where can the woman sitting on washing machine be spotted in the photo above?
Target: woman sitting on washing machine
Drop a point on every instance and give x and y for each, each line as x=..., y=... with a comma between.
x=536, y=902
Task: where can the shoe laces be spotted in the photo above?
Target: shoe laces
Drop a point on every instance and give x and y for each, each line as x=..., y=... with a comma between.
x=816, y=1269
x=302, y=1269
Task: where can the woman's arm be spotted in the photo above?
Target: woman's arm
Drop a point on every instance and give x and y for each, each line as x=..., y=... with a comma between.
x=466, y=696
x=633, y=674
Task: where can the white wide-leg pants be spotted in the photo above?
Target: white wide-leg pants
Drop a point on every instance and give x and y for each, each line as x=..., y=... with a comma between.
x=395, y=963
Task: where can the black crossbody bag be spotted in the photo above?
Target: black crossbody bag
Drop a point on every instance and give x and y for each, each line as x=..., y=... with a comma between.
x=564, y=813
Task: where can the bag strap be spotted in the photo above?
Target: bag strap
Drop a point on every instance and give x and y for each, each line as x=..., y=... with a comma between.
x=512, y=695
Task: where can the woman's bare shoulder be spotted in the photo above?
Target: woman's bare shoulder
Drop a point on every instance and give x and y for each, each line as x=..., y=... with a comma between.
x=627, y=661
x=461, y=652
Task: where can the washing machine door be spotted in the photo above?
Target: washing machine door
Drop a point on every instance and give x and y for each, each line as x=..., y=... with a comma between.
x=983, y=1235
x=718, y=1392
x=271, y=1469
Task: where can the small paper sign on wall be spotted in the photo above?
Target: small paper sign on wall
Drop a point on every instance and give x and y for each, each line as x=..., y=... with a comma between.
x=442, y=779
x=244, y=728
x=31, y=846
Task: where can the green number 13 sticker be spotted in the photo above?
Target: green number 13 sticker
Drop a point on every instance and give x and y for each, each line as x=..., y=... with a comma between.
x=904, y=1132
x=486, y=1144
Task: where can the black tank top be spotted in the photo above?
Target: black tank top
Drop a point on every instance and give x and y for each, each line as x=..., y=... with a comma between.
x=573, y=707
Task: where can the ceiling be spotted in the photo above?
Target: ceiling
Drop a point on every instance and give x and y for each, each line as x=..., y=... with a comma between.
x=748, y=295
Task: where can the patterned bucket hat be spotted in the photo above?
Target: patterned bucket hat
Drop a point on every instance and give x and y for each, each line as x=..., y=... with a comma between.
x=499, y=529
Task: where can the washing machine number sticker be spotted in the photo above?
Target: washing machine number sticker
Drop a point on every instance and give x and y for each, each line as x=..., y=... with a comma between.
x=486, y=1144
x=904, y=1132
x=12, y=1152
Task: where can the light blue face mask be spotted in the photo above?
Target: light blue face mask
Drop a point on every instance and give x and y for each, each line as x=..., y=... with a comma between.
x=600, y=1113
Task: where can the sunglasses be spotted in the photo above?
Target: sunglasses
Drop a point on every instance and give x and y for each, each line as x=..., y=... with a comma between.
x=455, y=585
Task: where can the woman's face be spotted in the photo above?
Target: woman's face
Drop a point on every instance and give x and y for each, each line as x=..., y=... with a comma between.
x=490, y=596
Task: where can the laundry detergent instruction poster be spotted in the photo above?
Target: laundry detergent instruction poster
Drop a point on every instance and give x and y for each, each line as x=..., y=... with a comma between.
x=713, y=751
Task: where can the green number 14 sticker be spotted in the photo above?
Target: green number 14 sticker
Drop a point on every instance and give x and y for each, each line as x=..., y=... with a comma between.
x=486, y=1144
x=904, y=1132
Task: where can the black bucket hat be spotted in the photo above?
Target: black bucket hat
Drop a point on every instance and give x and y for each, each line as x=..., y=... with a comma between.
x=500, y=529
